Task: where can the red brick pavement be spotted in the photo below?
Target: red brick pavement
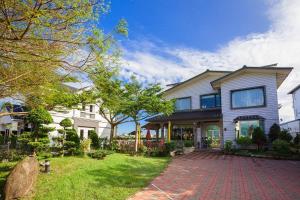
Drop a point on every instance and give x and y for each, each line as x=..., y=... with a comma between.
x=213, y=176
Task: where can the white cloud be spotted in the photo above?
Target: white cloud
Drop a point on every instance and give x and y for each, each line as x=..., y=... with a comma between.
x=280, y=44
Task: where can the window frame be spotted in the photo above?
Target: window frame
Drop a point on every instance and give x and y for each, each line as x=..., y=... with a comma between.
x=215, y=94
x=249, y=88
x=261, y=123
x=188, y=97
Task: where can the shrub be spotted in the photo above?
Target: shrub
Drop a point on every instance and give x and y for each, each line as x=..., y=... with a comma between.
x=142, y=150
x=285, y=135
x=170, y=146
x=11, y=155
x=99, y=154
x=228, y=146
x=65, y=123
x=297, y=139
x=274, y=132
x=259, y=137
x=72, y=136
x=188, y=143
x=1, y=139
x=94, y=139
x=281, y=146
x=85, y=145
x=244, y=141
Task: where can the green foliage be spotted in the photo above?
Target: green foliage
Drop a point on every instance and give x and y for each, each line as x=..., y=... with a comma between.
x=85, y=145
x=1, y=139
x=228, y=146
x=38, y=117
x=94, y=139
x=285, y=135
x=99, y=154
x=13, y=140
x=12, y=155
x=244, y=141
x=30, y=141
x=188, y=143
x=274, y=132
x=66, y=123
x=281, y=146
x=170, y=146
x=72, y=136
x=297, y=139
x=259, y=137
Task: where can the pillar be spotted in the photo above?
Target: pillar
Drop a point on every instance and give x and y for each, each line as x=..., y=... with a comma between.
x=162, y=131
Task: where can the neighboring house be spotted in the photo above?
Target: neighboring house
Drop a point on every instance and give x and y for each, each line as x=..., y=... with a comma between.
x=294, y=126
x=223, y=105
x=12, y=124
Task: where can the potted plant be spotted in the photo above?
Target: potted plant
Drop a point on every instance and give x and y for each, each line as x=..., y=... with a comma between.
x=188, y=146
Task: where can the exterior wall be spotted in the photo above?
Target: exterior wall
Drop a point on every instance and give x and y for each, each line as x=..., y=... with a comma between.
x=194, y=89
x=269, y=112
x=296, y=103
x=293, y=127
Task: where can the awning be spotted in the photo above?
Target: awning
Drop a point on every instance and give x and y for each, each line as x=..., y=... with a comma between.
x=248, y=117
x=195, y=115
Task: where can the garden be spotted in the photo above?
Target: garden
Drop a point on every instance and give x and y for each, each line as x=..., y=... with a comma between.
x=278, y=144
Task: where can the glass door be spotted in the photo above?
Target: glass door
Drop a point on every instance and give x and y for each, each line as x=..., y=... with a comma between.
x=213, y=135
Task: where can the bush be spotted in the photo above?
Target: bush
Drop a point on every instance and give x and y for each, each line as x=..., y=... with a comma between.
x=259, y=137
x=285, y=135
x=188, y=143
x=297, y=139
x=66, y=123
x=274, y=132
x=72, y=136
x=281, y=146
x=85, y=145
x=99, y=154
x=1, y=139
x=244, y=141
x=228, y=146
x=11, y=155
x=170, y=146
x=94, y=139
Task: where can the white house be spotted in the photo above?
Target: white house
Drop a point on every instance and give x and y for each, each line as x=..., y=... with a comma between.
x=223, y=105
x=294, y=126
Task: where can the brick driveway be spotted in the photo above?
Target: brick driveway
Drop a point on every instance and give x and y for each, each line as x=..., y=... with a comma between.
x=213, y=176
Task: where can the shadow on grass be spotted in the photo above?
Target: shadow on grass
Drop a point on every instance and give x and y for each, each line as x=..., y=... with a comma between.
x=132, y=174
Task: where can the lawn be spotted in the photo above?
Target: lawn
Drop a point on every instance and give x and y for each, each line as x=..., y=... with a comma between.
x=4, y=171
x=116, y=177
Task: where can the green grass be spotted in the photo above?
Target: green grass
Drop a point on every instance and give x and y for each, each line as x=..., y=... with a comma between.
x=116, y=177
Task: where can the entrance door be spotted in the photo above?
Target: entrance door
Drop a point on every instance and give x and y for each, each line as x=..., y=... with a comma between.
x=213, y=135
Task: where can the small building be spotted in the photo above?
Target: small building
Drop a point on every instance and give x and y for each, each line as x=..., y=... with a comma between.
x=294, y=126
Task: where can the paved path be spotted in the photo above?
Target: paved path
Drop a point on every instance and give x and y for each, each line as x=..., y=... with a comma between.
x=213, y=176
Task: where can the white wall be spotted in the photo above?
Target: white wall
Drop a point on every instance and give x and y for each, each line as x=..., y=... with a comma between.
x=296, y=103
x=194, y=89
x=270, y=112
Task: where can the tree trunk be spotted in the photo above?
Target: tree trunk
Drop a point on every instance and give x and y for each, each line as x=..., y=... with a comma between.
x=112, y=133
x=136, y=136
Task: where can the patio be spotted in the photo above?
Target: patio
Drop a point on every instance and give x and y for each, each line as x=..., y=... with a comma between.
x=211, y=175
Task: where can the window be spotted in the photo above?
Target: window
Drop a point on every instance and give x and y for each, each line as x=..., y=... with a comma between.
x=246, y=128
x=247, y=98
x=91, y=108
x=183, y=104
x=210, y=101
x=81, y=134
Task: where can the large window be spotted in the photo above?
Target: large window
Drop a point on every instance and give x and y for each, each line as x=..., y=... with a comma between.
x=210, y=101
x=246, y=128
x=183, y=104
x=247, y=98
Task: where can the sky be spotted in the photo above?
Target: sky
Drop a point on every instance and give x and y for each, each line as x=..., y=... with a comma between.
x=173, y=40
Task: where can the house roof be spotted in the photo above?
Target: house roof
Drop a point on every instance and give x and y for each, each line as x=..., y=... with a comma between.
x=188, y=115
x=281, y=73
x=293, y=90
x=174, y=85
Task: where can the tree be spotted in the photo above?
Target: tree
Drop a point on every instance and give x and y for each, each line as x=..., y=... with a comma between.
x=285, y=135
x=110, y=95
x=72, y=142
x=38, y=139
x=43, y=42
x=145, y=101
x=274, y=132
x=259, y=137
x=65, y=123
x=94, y=139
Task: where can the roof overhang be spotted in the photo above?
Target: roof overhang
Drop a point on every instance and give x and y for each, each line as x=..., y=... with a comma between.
x=295, y=89
x=281, y=74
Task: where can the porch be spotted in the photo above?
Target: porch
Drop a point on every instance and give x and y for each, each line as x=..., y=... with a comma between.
x=202, y=128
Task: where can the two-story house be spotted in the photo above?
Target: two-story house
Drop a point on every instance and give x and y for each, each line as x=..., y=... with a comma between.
x=294, y=126
x=223, y=105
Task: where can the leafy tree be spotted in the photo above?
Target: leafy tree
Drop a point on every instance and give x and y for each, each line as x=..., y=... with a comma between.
x=65, y=123
x=259, y=137
x=145, y=101
x=38, y=139
x=110, y=95
x=43, y=42
x=94, y=139
x=297, y=139
x=274, y=132
x=72, y=141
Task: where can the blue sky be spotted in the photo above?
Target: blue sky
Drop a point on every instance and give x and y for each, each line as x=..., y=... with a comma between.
x=171, y=40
